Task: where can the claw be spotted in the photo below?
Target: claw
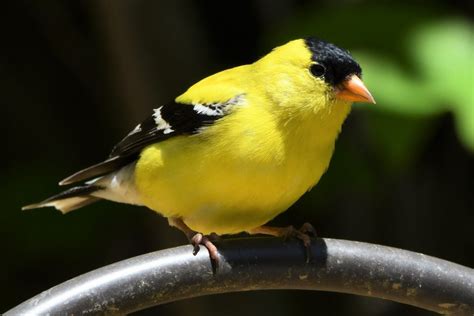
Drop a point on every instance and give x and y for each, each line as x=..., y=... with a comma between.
x=211, y=248
x=308, y=229
x=198, y=239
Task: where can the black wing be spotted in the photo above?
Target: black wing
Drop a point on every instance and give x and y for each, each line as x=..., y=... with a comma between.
x=166, y=121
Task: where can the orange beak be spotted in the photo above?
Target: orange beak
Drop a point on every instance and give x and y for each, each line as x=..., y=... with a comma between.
x=354, y=90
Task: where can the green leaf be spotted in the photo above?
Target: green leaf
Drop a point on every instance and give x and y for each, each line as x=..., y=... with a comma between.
x=396, y=90
x=445, y=53
x=442, y=53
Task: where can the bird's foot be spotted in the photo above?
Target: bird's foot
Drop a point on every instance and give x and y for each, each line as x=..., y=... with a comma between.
x=309, y=230
x=306, y=233
x=197, y=239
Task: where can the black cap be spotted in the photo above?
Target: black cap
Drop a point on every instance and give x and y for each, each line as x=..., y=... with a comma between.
x=338, y=62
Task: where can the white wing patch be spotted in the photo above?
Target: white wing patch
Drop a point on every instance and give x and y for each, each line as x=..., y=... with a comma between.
x=197, y=114
x=137, y=129
x=218, y=109
x=161, y=124
x=206, y=110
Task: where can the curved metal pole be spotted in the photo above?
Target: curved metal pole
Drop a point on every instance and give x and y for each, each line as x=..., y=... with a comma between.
x=259, y=264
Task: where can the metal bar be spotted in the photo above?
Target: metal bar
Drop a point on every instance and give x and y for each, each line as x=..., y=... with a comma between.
x=259, y=264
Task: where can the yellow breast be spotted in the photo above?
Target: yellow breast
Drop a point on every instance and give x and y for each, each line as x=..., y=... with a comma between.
x=241, y=172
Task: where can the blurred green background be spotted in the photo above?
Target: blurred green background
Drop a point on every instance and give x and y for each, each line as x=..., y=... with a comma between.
x=76, y=76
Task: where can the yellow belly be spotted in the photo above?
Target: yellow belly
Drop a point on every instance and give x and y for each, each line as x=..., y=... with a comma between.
x=217, y=195
x=233, y=181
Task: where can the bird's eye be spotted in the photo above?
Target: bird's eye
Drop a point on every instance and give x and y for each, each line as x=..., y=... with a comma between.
x=317, y=70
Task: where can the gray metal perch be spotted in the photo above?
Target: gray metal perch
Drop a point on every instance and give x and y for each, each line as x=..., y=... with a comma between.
x=259, y=264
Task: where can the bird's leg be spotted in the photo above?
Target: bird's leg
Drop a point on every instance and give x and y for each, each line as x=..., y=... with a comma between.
x=305, y=233
x=195, y=238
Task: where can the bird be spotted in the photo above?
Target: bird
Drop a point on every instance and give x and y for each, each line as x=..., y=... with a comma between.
x=235, y=149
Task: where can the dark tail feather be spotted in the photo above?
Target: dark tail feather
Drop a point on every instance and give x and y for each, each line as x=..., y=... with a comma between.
x=110, y=165
x=70, y=199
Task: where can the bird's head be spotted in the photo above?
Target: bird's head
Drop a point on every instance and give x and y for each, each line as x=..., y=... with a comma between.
x=335, y=68
x=314, y=71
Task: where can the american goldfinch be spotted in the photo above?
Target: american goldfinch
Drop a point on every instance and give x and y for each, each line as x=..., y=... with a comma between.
x=234, y=150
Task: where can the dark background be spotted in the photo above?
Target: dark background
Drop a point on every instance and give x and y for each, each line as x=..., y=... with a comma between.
x=76, y=76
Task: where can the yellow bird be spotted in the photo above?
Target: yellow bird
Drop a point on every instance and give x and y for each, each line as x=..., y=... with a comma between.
x=236, y=149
